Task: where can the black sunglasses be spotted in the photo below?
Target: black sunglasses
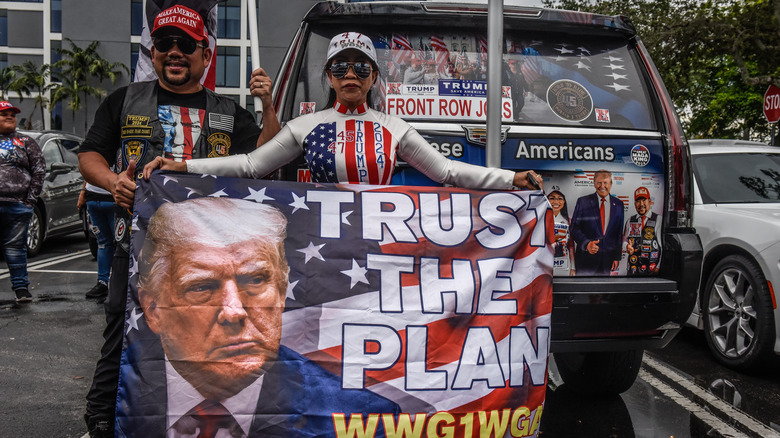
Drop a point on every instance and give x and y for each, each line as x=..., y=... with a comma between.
x=185, y=44
x=339, y=69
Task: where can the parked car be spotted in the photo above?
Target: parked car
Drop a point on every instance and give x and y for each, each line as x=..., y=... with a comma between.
x=590, y=99
x=55, y=213
x=737, y=215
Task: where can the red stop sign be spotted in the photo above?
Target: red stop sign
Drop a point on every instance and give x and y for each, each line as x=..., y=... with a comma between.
x=772, y=104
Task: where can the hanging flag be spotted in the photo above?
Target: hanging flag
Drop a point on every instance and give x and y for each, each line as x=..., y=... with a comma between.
x=144, y=70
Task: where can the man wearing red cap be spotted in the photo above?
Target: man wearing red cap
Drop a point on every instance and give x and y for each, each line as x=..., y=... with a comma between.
x=175, y=117
x=22, y=170
x=641, y=236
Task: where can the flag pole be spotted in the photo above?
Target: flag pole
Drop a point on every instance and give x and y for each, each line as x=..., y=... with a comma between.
x=254, y=50
x=495, y=35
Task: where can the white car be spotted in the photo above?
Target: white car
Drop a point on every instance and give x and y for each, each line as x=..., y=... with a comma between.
x=737, y=216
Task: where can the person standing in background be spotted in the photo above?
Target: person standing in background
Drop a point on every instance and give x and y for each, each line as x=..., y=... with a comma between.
x=22, y=169
x=100, y=208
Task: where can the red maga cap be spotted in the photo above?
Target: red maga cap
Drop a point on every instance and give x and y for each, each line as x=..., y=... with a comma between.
x=5, y=105
x=184, y=18
x=641, y=192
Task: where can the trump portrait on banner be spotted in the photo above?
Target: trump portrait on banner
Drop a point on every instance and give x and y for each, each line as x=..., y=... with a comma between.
x=212, y=281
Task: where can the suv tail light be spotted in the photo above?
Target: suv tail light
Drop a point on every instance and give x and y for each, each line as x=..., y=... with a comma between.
x=680, y=210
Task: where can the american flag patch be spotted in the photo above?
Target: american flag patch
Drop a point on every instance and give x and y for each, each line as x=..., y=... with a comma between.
x=221, y=121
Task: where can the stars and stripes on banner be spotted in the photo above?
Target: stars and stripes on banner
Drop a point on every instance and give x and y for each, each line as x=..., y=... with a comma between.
x=402, y=51
x=437, y=299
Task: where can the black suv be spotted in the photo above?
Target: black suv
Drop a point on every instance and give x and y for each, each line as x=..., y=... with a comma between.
x=580, y=94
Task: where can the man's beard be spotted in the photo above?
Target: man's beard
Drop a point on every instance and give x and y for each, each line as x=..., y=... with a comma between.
x=182, y=81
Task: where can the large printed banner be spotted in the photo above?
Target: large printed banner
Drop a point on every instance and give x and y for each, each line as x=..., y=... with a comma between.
x=271, y=309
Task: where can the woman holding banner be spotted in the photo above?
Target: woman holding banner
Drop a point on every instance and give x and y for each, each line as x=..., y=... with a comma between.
x=351, y=143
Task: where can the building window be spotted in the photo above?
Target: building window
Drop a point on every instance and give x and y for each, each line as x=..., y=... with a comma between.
x=134, y=49
x=228, y=67
x=3, y=60
x=56, y=16
x=136, y=17
x=56, y=48
x=229, y=19
x=56, y=116
x=3, y=27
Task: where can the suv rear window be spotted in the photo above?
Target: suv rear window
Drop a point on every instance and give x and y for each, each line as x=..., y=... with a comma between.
x=568, y=79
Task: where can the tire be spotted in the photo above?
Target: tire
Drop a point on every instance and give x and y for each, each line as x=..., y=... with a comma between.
x=737, y=312
x=35, y=233
x=601, y=374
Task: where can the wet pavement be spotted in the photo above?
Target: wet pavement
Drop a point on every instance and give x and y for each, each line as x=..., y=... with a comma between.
x=49, y=348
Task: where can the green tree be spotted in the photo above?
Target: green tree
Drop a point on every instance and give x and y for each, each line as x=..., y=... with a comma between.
x=7, y=76
x=33, y=80
x=77, y=66
x=716, y=57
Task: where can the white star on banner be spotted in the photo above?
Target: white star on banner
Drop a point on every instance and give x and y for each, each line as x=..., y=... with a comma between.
x=191, y=192
x=290, y=287
x=564, y=50
x=312, y=251
x=616, y=67
x=258, y=195
x=613, y=59
x=299, y=202
x=344, y=219
x=356, y=275
x=132, y=321
x=219, y=194
x=167, y=178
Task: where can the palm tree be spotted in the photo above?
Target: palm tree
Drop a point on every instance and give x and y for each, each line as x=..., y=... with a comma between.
x=7, y=76
x=33, y=80
x=77, y=66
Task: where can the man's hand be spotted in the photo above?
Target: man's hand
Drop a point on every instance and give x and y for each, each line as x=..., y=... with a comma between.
x=615, y=265
x=123, y=188
x=593, y=247
x=163, y=164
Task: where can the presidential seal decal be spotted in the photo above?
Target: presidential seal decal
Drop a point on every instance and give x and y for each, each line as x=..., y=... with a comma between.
x=133, y=149
x=219, y=143
x=569, y=100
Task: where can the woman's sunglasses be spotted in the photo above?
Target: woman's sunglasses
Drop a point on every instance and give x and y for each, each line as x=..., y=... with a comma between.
x=185, y=44
x=340, y=69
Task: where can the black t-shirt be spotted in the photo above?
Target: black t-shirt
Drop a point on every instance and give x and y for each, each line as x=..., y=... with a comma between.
x=104, y=135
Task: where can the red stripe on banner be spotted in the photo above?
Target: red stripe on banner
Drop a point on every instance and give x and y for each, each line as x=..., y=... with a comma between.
x=444, y=335
x=370, y=145
x=186, y=127
x=349, y=152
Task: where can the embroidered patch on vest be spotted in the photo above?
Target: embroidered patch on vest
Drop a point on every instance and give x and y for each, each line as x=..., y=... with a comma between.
x=137, y=126
x=221, y=121
x=134, y=149
x=119, y=229
x=219, y=144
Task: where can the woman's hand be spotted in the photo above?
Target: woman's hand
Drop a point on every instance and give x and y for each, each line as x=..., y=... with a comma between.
x=521, y=180
x=163, y=164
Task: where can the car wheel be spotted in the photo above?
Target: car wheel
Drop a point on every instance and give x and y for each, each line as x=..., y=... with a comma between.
x=737, y=313
x=600, y=374
x=35, y=233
